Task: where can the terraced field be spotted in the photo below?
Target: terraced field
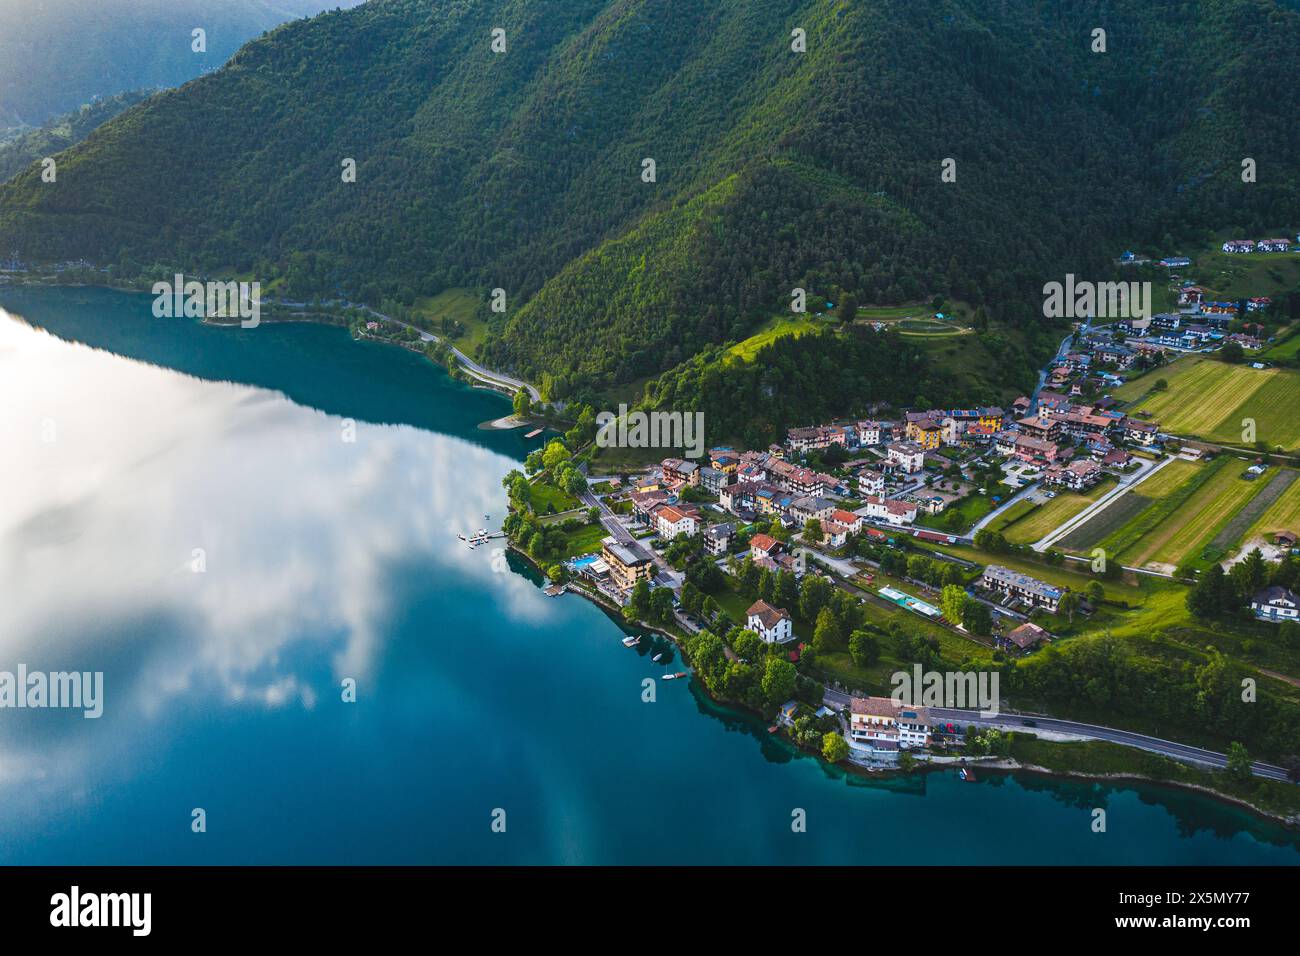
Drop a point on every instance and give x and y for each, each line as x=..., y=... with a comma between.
x=1192, y=526
x=1210, y=399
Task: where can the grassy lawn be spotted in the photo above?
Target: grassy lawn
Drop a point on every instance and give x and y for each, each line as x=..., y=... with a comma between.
x=968, y=510
x=775, y=328
x=1287, y=347
x=461, y=305
x=585, y=540
x=1052, y=514
x=547, y=499
x=1210, y=399
x=1013, y=514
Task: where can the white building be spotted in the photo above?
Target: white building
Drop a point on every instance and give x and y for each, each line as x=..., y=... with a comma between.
x=907, y=455
x=1276, y=604
x=670, y=522
x=772, y=624
x=891, y=511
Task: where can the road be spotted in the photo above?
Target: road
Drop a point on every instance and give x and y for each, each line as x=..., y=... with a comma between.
x=1010, y=721
x=620, y=533
x=474, y=368
x=1127, y=482
x=1015, y=498
x=1168, y=748
x=1060, y=354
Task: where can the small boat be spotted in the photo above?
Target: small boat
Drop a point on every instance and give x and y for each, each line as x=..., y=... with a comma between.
x=675, y=676
x=631, y=641
x=773, y=729
x=657, y=658
x=966, y=775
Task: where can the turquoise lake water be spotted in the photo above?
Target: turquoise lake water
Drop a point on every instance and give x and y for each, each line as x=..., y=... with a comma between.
x=182, y=511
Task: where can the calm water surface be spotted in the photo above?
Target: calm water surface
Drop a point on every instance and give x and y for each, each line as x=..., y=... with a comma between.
x=132, y=448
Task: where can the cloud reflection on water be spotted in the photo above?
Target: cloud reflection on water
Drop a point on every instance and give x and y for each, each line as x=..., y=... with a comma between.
x=299, y=529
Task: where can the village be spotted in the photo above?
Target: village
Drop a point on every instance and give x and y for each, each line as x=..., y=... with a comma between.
x=891, y=512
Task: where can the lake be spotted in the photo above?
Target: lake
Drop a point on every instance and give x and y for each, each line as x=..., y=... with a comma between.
x=229, y=524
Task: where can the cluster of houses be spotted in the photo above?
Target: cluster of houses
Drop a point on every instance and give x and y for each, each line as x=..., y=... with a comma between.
x=1256, y=245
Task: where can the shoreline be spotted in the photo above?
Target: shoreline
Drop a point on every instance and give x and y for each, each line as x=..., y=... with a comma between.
x=1009, y=765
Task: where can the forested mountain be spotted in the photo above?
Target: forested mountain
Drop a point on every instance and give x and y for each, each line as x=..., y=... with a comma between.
x=60, y=133
x=774, y=169
x=56, y=55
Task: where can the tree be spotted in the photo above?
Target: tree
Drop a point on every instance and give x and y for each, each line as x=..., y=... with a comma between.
x=554, y=454
x=1239, y=761
x=864, y=649
x=976, y=617
x=661, y=605
x=952, y=601
x=638, y=606
x=826, y=635
x=1206, y=599
x=814, y=593
x=1231, y=352
x=1096, y=593
x=812, y=531
x=1069, y=603
x=848, y=310
x=523, y=403
x=834, y=748
x=778, y=680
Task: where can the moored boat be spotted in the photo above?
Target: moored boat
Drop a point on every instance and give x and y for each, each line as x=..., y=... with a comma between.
x=631, y=641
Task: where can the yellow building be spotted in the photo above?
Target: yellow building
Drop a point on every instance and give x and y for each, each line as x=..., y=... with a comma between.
x=927, y=434
x=626, y=565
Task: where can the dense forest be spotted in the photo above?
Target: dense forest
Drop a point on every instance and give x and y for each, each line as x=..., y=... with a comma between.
x=525, y=170
x=58, y=134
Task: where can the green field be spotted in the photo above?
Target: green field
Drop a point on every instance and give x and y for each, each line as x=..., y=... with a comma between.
x=773, y=329
x=1282, y=515
x=1237, y=275
x=1012, y=515
x=1210, y=399
x=460, y=305
x=547, y=499
x=1052, y=514
x=1187, y=531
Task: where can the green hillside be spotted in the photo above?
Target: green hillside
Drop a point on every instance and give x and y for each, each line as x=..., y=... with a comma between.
x=820, y=170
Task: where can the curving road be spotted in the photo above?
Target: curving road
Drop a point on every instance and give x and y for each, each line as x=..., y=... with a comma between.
x=1168, y=748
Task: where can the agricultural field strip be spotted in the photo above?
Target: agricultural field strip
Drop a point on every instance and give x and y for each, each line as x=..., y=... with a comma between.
x=1100, y=505
x=1284, y=515
x=1189, y=528
x=1233, y=531
x=1126, y=536
x=1200, y=400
